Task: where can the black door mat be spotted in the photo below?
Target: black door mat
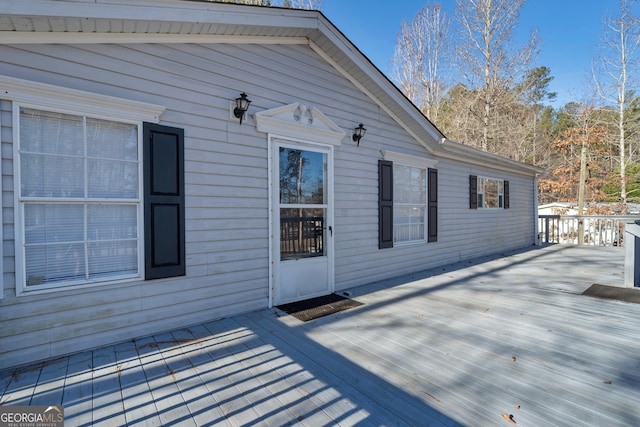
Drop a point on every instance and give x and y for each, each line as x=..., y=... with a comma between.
x=617, y=293
x=318, y=307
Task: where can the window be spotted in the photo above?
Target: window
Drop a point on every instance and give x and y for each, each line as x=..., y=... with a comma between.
x=488, y=193
x=408, y=200
x=79, y=199
x=409, y=203
x=80, y=206
x=80, y=184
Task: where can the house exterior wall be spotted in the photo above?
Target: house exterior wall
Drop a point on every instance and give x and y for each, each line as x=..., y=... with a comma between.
x=227, y=194
x=463, y=233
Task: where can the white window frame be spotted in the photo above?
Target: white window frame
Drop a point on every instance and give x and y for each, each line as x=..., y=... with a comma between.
x=407, y=160
x=481, y=193
x=26, y=94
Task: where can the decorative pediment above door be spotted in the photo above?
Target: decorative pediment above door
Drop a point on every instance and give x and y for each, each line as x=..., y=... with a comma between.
x=300, y=122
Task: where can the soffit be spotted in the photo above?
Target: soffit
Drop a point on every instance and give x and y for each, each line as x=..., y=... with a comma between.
x=153, y=17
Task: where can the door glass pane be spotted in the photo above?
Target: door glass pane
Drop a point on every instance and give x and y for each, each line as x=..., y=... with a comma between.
x=303, y=184
x=302, y=176
x=301, y=233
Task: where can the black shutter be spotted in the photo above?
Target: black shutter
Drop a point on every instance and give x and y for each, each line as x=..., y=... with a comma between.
x=163, y=162
x=432, y=206
x=385, y=204
x=473, y=192
x=506, y=194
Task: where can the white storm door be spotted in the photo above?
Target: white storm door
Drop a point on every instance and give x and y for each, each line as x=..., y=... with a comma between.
x=302, y=226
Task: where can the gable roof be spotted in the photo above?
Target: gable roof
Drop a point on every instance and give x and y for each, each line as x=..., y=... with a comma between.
x=201, y=21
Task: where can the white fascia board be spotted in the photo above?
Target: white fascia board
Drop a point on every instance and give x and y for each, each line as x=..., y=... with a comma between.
x=60, y=98
x=20, y=37
x=366, y=91
x=456, y=151
x=363, y=64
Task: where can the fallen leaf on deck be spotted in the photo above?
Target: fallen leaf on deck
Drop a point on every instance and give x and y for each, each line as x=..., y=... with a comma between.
x=431, y=396
x=518, y=407
x=607, y=382
x=509, y=418
x=513, y=358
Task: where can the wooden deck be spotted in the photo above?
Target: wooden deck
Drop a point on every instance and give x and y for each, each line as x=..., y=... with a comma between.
x=460, y=345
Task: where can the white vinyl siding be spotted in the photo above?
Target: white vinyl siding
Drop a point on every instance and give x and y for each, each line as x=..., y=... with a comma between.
x=79, y=199
x=227, y=191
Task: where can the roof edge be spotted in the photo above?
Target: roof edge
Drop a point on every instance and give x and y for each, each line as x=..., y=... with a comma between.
x=456, y=151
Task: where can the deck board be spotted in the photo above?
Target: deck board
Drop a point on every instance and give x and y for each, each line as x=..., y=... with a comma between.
x=107, y=393
x=165, y=394
x=139, y=407
x=273, y=372
x=454, y=346
x=78, y=390
x=21, y=386
x=50, y=385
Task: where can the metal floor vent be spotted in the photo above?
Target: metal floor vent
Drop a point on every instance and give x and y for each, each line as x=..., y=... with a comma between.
x=318, y=307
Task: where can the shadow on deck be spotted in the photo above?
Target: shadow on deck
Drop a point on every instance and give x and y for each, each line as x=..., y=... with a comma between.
x=464, y=344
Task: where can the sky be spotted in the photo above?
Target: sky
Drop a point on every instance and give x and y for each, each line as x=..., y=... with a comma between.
x=569, y=31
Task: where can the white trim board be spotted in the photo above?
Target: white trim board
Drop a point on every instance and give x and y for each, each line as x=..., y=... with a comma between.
x=61, y=98
x=298, y=121
x=23, y=37
x=409, y=160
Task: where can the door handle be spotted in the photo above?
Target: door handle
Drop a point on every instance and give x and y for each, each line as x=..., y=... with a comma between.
x=331, y=231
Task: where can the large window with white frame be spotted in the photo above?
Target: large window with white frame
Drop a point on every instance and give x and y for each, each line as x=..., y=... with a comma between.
x=78, y=184
x=409, y=204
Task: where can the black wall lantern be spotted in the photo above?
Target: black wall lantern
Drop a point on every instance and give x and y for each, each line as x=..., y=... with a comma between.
x=242, y=105
x=358, y=133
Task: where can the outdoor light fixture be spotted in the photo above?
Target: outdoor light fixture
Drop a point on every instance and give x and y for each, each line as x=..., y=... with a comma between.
x=242, y=105
x=358, y=133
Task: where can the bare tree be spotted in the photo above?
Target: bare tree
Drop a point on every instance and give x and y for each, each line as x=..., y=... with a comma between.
x=487, y=58
x=421, y=48
x=614, y=75
x=303, y=4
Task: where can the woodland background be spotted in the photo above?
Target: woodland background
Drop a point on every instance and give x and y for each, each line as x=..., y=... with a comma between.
x=472, y=80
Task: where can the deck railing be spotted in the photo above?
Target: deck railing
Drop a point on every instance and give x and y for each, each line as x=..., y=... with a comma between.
x=301, y=237
x=594, y=230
